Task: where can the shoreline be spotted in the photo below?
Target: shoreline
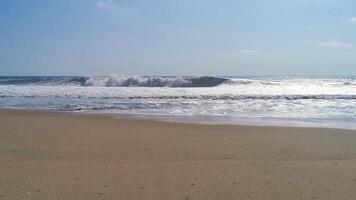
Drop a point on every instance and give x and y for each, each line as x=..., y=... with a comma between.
x=241, y=121
x=216, y=119
x=67, y=156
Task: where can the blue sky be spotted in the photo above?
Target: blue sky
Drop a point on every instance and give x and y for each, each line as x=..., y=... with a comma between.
x=178, y=37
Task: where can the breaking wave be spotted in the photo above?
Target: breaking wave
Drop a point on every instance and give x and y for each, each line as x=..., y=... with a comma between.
x=137, y=81
x=167, y=81
x=116, y=81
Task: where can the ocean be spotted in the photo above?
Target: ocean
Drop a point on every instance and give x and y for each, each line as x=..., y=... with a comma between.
x=271, y=100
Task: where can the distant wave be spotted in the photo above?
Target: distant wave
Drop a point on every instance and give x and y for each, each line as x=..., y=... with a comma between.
x=167, y=81
x=43, y=80
x=116, y=81
x=204, y=81
x=281, y=82
x=137, y=81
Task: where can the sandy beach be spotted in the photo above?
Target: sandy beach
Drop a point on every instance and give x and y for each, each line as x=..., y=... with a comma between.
x=62, y=156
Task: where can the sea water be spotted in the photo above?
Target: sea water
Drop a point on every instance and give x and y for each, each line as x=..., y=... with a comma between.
x=297, y=101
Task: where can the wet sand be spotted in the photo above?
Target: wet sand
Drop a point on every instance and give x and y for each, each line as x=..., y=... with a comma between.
x=62, y=156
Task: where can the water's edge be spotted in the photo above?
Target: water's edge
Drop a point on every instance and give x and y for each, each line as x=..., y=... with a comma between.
x=347, y=124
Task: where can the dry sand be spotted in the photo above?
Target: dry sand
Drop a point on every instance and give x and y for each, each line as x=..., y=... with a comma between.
x=59, y=156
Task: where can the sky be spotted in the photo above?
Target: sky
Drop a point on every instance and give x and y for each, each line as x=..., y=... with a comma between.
x=178, y=37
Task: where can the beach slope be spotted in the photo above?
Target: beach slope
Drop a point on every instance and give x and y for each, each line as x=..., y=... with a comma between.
x=61, y=156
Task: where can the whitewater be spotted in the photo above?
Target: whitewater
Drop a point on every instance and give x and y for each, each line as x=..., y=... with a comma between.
x=299, y=101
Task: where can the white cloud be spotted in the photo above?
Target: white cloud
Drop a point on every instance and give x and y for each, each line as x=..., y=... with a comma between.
x=353, y=19
x=333, y=44
x=248, y=51
x=104, y=3
x=101, y=4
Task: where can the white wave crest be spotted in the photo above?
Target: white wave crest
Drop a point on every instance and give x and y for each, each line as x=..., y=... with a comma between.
x=139, y=81
x=123, y=81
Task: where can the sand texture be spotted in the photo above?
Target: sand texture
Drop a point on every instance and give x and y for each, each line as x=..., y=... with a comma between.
x=47, y=156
